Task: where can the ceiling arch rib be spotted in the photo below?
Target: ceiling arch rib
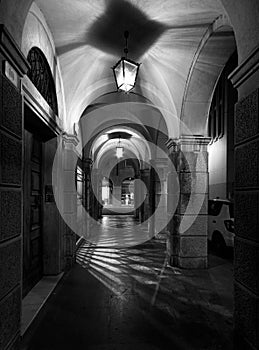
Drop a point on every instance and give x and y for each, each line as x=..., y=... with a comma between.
x=145, y=119
x=103, y=141
x=216, y=47
x=95, y=140
x=130, y=151
x=131, y=140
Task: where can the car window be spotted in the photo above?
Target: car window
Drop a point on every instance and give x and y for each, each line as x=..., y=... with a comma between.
x=214, y=207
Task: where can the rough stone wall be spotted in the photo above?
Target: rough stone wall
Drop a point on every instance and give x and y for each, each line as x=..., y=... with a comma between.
x=247, y=221
x=11, y=141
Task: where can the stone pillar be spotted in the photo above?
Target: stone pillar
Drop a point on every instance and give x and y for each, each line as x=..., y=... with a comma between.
x=69, y=198
x=142, y=195
x=246, y=198
x=87, y=166
x=96, y=193
x=159, y=189
x=12, y=67
x=145, y=207
x=116, y=194
x=187, y=230
x=152, y=199
x=137, y=195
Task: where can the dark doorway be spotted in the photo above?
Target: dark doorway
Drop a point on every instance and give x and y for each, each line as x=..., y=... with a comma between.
x=32, y=235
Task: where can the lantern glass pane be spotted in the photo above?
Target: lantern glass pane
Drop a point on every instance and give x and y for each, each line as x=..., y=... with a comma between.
x=118, y=70
x=130, y=73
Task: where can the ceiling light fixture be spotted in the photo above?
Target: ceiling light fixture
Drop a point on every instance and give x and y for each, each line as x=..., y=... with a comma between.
x=125, y=71
x=119, y=149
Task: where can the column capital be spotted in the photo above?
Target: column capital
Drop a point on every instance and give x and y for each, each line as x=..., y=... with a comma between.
x=161, y=166
x=172, y=145
x=144, y=172
x=245, y=69
x=194, y=143
x=69, y=140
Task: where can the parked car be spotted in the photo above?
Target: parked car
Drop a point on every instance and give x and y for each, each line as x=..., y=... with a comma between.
x=221, y=231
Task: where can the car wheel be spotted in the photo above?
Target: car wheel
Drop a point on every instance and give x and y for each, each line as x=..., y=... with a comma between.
x=219, y=244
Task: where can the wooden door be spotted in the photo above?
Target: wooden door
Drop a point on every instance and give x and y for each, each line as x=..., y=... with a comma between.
x=32, y=236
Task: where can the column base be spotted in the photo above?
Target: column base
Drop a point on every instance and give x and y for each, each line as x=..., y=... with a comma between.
x=188, y=263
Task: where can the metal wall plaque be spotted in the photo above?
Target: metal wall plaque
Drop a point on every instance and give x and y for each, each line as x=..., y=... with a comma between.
x=11, y=74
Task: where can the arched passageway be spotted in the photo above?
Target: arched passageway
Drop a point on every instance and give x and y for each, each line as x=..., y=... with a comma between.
x=45, y=179
x=126, y=147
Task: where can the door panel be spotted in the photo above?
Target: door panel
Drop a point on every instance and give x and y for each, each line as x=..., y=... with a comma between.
x=32, y=237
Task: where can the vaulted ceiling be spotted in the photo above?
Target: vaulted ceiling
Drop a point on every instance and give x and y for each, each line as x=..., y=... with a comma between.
x=164, y=37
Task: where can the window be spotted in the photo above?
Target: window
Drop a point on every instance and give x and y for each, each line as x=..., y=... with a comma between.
x=41, y=76
x=222, y=102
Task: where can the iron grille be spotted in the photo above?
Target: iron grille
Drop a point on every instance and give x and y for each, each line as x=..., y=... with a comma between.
x=41, y=76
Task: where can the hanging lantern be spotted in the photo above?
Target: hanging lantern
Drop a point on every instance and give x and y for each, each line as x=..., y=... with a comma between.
x=119, y=149
x=125, y=71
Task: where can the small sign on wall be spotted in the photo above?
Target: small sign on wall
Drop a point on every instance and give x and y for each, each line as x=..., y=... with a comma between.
x=11, y=74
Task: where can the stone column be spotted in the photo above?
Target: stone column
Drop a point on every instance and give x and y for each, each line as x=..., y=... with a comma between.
x=187, y=230
x=87, y=166
x=69, y=197
x=152, y=199
x=246, y=198
x=96, y=193
x=145, y=207
x=116, y=194
x=159, y=189
x=137, y=195
x=12, y=67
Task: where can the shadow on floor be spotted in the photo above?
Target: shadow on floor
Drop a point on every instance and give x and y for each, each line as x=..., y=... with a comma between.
x=131, y=299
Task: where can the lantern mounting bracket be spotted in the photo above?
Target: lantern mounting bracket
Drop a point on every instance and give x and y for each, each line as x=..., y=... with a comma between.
x=125, y=70
x=126, y=35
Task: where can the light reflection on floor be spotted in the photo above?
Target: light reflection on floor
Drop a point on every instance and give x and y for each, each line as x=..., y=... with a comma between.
x=118, y=231
x=112, y=265
x=195, y=306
